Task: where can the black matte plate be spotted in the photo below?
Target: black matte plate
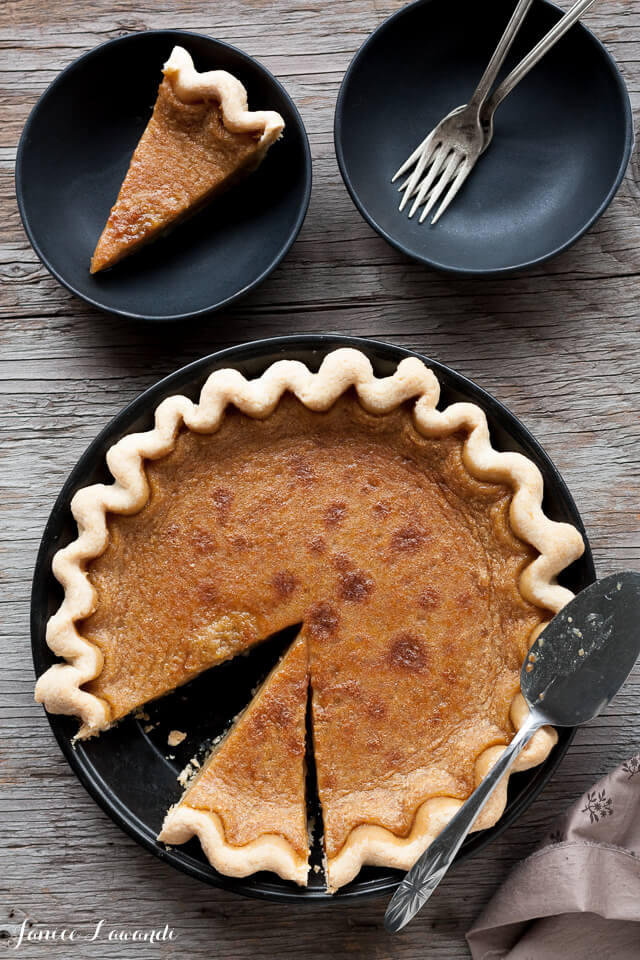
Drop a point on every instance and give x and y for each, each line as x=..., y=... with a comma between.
x=127, y=770
x=75, y=150
x=562, y=139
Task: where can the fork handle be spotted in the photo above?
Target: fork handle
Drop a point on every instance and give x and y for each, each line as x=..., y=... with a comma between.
x=493, y=67
x=544, y=45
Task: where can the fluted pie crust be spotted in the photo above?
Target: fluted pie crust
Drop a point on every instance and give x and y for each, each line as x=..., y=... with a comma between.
x=420, y=564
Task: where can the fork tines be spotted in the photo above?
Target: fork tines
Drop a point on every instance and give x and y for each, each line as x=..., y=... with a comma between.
x=440, y=166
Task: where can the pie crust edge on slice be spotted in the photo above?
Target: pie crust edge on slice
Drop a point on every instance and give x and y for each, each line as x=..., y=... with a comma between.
x=130, y=227
x=558, y=544
x=273, y=722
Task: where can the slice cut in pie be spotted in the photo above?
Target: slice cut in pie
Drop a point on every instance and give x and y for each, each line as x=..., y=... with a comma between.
x=416, y=557
x=201, y=140
x=247, y=804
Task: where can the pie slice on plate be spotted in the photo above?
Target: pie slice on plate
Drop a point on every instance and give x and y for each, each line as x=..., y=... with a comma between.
x=247, y=804
x=416, y=558
x=201, y=140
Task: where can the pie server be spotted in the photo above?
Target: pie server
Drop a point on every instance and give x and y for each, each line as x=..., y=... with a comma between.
x=573, y=670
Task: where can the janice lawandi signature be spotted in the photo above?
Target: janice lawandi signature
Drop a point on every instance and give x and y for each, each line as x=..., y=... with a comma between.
x=72, y=935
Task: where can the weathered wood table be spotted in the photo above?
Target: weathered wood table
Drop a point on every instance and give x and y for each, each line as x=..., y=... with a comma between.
x=560, y=346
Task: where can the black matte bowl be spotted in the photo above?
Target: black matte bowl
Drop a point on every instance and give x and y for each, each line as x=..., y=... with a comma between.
x=75, y=150
x=562, y=139
x=125, y=769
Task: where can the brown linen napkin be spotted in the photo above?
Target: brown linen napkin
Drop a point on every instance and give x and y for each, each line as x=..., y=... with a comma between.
x=578, y=896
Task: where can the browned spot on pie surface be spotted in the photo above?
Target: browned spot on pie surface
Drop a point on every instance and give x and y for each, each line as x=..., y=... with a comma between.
x=395, y=756
x=222, y=499
x=284, y=583
x=355, y=586
x=408, y=539
x=240, y=542
x=429, y=599
x=396, y=659
x=408, y=652
x=207, y=592
x=376, y=709
x=335, y=513
x=342, y=561
x=323, y=620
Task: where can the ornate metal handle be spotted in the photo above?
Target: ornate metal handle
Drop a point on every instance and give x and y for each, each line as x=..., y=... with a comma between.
x=426, y=874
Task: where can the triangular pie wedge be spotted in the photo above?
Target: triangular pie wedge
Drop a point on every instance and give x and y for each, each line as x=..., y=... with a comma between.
x=247, y=805
x=416, y=557
x=201, y=140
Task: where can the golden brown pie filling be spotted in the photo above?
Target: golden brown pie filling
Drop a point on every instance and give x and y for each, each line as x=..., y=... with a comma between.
x=185, y=155
x=254, y=780
x=401, y=567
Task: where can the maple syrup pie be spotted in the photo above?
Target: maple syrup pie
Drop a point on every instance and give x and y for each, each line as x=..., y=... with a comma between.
x=415, y=559
x=201, y=140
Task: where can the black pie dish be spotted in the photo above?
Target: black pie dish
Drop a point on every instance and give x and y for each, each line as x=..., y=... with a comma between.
x=562, y=138
x=126, y=769
x=75, y=150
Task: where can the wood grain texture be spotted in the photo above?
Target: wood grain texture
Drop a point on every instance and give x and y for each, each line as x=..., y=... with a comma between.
x=559, y=345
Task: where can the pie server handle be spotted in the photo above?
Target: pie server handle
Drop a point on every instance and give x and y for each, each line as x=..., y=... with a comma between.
x=423, y=878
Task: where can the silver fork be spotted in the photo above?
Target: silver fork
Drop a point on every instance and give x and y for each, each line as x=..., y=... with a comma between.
x=447, y=155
